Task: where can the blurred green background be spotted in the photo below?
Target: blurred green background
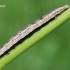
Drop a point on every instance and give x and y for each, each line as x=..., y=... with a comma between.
x=50, y=53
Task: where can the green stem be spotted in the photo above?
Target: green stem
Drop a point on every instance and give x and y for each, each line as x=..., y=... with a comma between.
x=34, y=38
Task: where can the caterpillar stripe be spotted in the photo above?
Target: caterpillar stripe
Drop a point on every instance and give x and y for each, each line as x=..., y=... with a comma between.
x=29, y=29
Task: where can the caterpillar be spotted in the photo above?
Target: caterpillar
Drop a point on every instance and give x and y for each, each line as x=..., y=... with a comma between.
x=29, y=30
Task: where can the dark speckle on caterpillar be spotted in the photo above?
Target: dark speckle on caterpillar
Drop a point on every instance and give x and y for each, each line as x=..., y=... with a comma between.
x=29, y=30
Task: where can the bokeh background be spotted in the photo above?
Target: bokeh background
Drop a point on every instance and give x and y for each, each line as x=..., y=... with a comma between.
x=50, y=53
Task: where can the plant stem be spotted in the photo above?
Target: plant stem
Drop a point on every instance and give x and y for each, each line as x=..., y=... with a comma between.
x=34, y=38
